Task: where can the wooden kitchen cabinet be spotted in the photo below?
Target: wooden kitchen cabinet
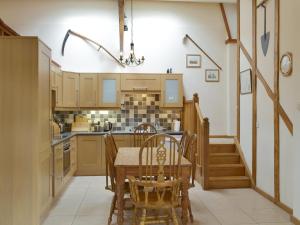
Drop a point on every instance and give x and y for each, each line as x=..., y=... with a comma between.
x=70, y=90
x=123, y=140
x=58, y=169
x=73, y=147
x=88, y=90
x=171, y=91
x=46, y=180
x=91, y=155
x=109, y=90
x=140, y=82
x=57, y=84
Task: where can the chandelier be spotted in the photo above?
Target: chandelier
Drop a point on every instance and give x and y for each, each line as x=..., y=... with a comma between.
x=131, y=60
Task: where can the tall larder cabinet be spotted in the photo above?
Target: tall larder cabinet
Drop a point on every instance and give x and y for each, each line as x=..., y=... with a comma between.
x=25, y=154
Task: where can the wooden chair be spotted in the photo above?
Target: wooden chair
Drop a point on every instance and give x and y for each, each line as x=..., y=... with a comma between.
x=158, y=186
x=184, y=141
x=142, y=132
x=190, y=154
x=110, y=154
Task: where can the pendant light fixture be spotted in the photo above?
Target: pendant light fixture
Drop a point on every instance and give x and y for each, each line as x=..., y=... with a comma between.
x=131, y=60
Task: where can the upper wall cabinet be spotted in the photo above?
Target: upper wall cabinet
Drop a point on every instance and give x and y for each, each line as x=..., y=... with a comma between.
x=109, y=90
x=88, y=90
x=140, y=82
x=57, y=84
x=70, y=89
x=171, y=90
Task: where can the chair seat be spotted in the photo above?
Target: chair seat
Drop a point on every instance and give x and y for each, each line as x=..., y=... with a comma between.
x=153, y=202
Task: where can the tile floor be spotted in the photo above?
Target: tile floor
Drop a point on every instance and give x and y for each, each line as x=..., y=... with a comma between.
x=85, y=202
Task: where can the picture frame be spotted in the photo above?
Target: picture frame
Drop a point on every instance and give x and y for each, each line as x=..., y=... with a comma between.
x=212, y=75
x=193, y=61
x=246, y=82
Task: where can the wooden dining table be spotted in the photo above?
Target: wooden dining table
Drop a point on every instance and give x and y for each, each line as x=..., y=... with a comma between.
x=127, y=164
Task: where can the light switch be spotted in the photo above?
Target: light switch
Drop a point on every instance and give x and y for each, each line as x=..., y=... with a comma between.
x=298, y=106
x=257, y=124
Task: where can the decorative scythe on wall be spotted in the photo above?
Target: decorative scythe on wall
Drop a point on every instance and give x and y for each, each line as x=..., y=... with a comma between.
x=88, y=40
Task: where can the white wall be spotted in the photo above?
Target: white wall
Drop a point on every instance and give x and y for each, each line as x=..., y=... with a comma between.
x=159, y=28
x=289, y=99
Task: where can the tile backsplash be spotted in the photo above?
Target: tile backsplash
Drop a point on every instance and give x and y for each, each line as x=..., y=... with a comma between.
x=136, y=108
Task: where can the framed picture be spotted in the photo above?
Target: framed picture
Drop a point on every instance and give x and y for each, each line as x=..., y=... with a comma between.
x=212, y=75
x=193, y=61
x=246, y=81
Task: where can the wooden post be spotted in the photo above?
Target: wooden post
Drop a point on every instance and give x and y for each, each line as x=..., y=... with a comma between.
x=205, y=150
x=195, y=100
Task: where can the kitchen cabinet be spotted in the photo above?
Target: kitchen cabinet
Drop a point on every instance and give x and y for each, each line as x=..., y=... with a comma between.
x=88, y=90
x=109, y=90
x=123, y=140
x=25, y=151
x=91, y=155
x=73, y=147
x=46, y=178
x=58, y=169
x=57, y=84
x=140, y=82
x=70, y=90
x=171, y=91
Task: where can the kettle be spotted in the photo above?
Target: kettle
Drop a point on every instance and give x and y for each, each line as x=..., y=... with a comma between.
x=107, y=126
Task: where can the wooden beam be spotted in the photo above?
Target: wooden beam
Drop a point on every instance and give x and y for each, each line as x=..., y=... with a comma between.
x=5, y=29
x=286, y=119
x=204, y=52
x=254, y=91
x=238, y=70
x=121, y=24
x=276, y=106
x=225, y=21
x=231, y=41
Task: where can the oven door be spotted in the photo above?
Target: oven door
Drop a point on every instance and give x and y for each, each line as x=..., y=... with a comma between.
x=67, y=161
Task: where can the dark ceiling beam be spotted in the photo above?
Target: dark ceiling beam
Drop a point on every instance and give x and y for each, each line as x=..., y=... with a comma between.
x=121, y=24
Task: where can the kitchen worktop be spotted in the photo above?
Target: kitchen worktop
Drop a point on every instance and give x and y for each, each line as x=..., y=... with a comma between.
x=68, y=135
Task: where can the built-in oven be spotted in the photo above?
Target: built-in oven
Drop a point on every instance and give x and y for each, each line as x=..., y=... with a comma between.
x=67, y=157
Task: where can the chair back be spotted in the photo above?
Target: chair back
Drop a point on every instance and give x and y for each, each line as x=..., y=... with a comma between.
x=110, y=155
x=159, y=172
x=142, y=132
x=184, y=141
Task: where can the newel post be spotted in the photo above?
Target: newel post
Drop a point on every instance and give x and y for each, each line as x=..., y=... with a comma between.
x=195, y=100
x=205, y=149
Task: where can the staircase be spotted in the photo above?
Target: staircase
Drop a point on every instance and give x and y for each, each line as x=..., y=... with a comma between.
x=225, y=167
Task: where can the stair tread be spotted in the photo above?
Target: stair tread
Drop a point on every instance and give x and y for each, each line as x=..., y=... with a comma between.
x=224, y=154
x=223, y=178
x=227, y=165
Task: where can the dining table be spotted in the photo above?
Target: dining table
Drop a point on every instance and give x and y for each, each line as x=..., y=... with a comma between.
x=127, y=164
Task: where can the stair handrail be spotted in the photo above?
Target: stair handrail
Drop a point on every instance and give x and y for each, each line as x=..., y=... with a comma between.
x=202, y=151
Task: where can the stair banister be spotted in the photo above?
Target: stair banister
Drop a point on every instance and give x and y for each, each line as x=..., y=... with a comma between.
x=202, y=131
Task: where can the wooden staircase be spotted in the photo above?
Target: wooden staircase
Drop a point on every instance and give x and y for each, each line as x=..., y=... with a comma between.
x=225, y=167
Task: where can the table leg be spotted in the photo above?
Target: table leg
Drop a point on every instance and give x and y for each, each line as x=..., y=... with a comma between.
x=120, y=181
x=184, y=201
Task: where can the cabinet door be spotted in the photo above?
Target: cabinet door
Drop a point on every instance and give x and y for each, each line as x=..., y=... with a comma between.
x=88, y=90
x=73, y=147
x=123, y=140
x=45, y=180
x=58, y=169
x=172, y=95
x=70, y=89
x=59, y=89
x=140, y=82
x=89, y=155
x=109, y=90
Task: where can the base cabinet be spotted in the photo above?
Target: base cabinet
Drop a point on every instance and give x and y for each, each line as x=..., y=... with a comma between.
x=58, y=169
x=91, y=155
x=123, y=140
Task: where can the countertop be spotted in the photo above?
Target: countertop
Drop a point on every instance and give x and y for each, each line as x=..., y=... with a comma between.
x=68, y=135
